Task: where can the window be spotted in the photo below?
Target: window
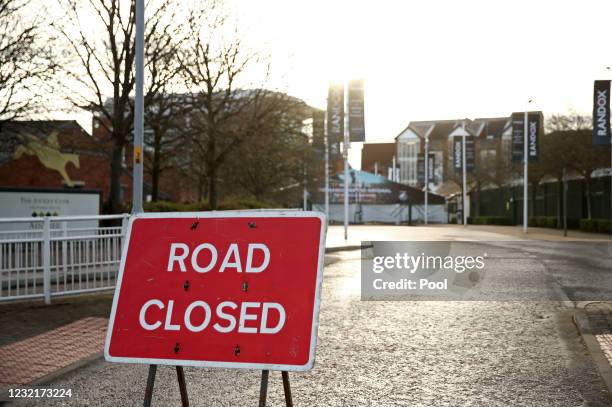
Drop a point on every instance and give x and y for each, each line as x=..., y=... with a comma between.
x=407, y=159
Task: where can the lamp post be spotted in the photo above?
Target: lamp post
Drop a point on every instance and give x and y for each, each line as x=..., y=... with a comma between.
x=464, y=174
x=608, y=69
x=138, y=110
x=525, y=167
x=427, y=171
x=326, y=146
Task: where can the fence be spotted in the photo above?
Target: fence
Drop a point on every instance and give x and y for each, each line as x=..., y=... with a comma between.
x=545, y=200
x=52, y=256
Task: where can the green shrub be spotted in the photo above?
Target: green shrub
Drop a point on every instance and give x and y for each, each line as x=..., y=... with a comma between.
x=226, y=204
x=549, y=221
x=235, y=203
x=543, y=221
x=588, y=225
x=166, y=206
x=596, y=225
x=490, y=220
x=604, y=225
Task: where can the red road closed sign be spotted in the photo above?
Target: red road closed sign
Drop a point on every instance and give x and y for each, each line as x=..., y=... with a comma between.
x=219, y=289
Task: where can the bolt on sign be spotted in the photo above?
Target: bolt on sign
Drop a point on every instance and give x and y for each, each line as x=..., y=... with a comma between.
x=601, y=114
x=356, y=115
x=534, y=129
x=220, y=289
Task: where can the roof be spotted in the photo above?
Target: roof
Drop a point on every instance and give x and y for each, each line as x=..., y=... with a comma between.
x=441, y=128
x=493, y=126
x=40, y=128
x=16, y=132
x=369, y=180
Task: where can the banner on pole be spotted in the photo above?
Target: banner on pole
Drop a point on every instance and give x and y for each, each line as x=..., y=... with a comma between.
x=518, y=137
x=421, y=168
x=601, y=113
x=356, y=114
x=457, y=154
x=534, y=131
x=534, y=124
x=470, y=154
x=318, y=128
x=335, y=113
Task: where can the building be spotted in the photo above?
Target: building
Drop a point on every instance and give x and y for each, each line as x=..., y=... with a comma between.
x=52, y=154
x=492, y=138
x=375, y=198
x=377, y=158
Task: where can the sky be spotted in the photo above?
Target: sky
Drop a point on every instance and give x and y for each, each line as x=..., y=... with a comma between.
x=435, y=59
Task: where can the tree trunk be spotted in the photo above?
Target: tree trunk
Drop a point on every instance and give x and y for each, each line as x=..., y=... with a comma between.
x=477, y=201
x=116, y=163
x=212, y=187
x=211, y=158
x=560, y=202
x=156, y=166
x=534, y=191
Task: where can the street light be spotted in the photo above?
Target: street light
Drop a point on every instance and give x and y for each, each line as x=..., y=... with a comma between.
x=464, y=174
x=525, y=166
x=138, y=110
x=429, y=130
x=608, y=69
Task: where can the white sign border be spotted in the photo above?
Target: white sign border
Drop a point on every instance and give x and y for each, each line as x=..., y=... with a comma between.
x=267, y=213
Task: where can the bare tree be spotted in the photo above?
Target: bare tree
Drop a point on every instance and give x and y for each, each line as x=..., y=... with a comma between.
x=103, y=53
x=215, y=69
x=572, y=141
x=164, y=109
x=277, y=154
x=26, y=59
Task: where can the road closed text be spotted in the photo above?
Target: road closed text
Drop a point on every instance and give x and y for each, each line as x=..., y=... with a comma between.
x=229, y=317
x=250, y=317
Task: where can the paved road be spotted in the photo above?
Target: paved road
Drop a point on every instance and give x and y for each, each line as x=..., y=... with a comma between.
x=395, y=354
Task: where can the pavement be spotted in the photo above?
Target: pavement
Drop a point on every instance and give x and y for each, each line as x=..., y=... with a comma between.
x=594, y=322
x=359, y=233
x=384, y=353
x=40, y=356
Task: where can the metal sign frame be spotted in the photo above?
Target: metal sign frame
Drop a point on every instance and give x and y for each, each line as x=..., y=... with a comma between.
x=210, y=364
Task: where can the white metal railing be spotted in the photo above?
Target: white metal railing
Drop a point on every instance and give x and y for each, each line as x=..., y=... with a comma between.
x=49, y=256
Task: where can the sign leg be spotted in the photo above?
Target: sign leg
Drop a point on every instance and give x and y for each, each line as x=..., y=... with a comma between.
x=287, y=389
x=180, y=374
x=263, y=389
x=150, y=383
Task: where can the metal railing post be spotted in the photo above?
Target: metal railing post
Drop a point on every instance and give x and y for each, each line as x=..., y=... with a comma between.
x=124, y=225
x=46, y=259
x=65, y=248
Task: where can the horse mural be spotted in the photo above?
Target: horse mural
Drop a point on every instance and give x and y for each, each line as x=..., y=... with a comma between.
x=48, y=152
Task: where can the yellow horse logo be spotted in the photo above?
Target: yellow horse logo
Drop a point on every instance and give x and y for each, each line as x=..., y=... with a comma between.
x=49, y=154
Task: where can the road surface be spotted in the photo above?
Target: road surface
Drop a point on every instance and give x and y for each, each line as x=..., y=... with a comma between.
x=396, y=353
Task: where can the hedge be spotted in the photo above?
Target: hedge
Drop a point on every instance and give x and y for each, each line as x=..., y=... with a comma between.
x=596, y=225
x=543, y=221
x=226, y=204
x=490, y=220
